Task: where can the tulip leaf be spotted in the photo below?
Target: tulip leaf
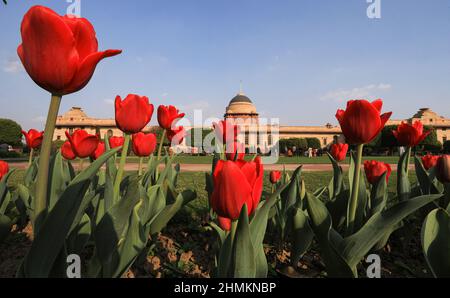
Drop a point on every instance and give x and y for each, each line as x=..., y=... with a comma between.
x=258, y=224
x=66, y=212
x=5, y=227
x=403, y=185
x=436, y=242
x=379, y=195
x=355, y=247
x=4, y=185
x=327, y=238
x=57, y=180
x=112, y=227
x=224, y=259
x=243, y=257
x=166, y=214
x=337, y=182
x=79, y=237
x=302, y=235
x=134, y=243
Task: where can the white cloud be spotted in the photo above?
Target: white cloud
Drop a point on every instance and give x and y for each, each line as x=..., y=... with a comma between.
x=13, y=65
x=109, y=101
x=39, y=119
x=196, y=105
x=165, y=94
x=367, y=92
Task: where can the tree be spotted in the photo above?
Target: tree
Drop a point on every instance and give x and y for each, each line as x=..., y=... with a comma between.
x=10, y=132
x=314, y=143
x=447, y=147
x=387, y=138
x=193, y=141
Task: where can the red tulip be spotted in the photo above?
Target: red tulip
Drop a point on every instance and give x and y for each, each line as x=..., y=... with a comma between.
x=4, y=169
x=410, y=135
x=224, y=223
x=339, y=151
x=226, y=131
x=67, y=152
x=33, y=138
x=115, y=142
x=375, y=169
x=133, y=113
x=168, y=116
x=60, y=53
x=429, y=161
x=83, y=144
x=101, y=148
x=443, y=169
x=237, y=183
x=176, y=135
x=275, y=176
x=235, y=148
x=144, y=144
x=361, y=122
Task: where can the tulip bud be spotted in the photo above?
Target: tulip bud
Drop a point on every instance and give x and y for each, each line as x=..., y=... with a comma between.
x=410, y=135
x=168, y=116
x=176, y=135
x=236, y=183
x=429, y=161
x=4, y=169
x=144, y=144
x=375, y=169
x=33, y=138
x=115, y=142
x=59, y=53
x=133, y=113
x=443, y=169
x=275, y=176
x=83, y=144
x=362, y=121
x=339, y=151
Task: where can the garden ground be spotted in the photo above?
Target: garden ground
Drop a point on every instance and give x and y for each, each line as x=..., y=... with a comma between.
x=186, y=246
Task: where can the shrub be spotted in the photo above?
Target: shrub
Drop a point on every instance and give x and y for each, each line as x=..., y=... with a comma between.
x=314, y=143
x=10, y=132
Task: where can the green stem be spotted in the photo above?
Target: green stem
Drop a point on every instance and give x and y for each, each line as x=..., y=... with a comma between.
x=30, y=160
x=80, y=165
x=158, y=158
x=123, y=160
x=40, y=205
x=355, y=189
x=161, y=142
x=140, y=165
x=408, y=159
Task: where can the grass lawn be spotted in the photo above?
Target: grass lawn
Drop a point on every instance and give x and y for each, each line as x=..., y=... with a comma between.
x=196, y=181
x=188, y=159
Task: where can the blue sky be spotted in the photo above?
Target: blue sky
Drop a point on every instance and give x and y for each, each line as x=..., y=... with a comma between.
x=299, y=60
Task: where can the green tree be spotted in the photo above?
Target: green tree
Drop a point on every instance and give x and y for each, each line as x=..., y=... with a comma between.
x=314, y=143
x=10, y=132
x=447, y=146
x=193, y=141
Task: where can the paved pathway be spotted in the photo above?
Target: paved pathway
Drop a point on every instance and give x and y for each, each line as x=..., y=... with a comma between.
x=207, y=167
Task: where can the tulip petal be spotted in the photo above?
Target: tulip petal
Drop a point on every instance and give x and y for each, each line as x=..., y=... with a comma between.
x=87, y=68
x=85, y=41
x=378, y=104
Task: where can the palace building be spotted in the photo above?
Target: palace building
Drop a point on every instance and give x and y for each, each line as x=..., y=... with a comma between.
x=256, y=134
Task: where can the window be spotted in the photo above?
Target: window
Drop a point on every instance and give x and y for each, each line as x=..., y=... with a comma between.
x=58, y=138
x=269, y=140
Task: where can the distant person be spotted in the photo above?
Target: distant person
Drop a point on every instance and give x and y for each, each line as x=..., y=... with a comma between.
x=310, y=152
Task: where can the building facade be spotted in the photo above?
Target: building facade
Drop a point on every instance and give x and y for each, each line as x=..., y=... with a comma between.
x=256, y=134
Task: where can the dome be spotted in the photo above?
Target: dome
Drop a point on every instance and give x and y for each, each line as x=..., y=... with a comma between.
x=241, y=106
x=240, y=98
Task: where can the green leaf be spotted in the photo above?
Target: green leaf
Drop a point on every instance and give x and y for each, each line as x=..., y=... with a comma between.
x=403, y=185
x=436, y=242
x=302, y=235
x=112, y=228
x=243, y=258
x=327, y=238
x=166, y=214
x=78, y=239
x=337, y=182
x=55, y=228
x=5, y=227
x=378, y=197
x=355, y=247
